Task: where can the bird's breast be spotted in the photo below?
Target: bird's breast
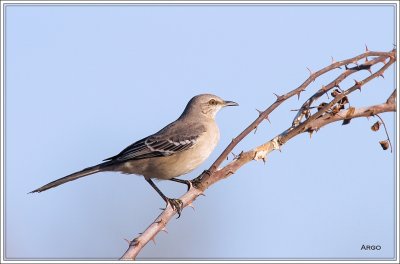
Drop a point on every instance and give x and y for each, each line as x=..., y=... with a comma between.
x=179, y=163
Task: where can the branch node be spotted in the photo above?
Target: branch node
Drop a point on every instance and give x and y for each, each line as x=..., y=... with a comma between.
x=260, y=155
x=276, y=143
x=134, y=242
x=230, y=172
x=159, y=222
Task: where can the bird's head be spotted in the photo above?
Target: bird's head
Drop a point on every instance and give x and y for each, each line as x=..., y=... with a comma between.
x=207, y=105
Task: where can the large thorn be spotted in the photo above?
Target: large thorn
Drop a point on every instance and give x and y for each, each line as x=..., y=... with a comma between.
x=298, y=95
x=311, y=74
x=267, y=117
x=277, y=96
x=359, y=84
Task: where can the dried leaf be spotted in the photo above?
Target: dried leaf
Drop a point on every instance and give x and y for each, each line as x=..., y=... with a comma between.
x=349, y=114
x=335, y=109
x=335, y=92
x=321, y=105
x=376, y=126
x=344, y=100
x=384, y=144
x=307, y=114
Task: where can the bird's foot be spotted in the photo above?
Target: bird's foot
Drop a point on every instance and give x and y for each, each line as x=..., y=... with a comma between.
x=176, y=204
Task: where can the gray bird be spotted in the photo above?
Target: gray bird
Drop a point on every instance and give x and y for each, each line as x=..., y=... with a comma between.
x=175, y=150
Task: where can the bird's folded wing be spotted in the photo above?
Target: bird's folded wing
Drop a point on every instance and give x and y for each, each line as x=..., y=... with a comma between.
x=168, y=141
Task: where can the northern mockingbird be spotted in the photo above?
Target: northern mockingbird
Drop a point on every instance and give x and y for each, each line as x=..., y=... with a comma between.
x=177, y=149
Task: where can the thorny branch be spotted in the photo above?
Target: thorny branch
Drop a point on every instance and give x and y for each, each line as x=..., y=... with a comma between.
x=326, y=113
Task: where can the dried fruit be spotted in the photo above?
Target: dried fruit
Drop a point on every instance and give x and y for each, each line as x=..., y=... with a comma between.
x=349, y=113
x=376, y=126
x=384, y=144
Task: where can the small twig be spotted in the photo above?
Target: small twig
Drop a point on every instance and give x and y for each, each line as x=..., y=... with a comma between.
x=311, y=107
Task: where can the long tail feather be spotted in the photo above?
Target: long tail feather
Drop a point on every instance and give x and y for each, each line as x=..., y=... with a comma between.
x=73, y=176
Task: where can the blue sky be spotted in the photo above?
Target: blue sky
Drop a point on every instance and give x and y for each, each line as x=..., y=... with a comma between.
x=85, y=81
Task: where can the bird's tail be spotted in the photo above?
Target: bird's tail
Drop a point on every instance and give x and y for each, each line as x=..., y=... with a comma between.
x=74, y=176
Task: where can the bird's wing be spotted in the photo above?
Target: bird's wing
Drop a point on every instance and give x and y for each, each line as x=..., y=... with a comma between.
x=168, y=141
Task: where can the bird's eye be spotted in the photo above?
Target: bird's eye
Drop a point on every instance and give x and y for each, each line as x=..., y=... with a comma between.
x=213, y=102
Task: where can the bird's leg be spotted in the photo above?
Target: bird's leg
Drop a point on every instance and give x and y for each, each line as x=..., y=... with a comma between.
x=188, y=183
x=176, y=204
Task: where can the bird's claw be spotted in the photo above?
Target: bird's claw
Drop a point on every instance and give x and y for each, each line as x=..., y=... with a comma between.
x=189, y=185
x=176, y=204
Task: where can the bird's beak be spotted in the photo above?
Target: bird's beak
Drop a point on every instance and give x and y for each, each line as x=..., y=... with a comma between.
x=230, y=103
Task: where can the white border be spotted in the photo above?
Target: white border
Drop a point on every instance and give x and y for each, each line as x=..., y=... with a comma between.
x=2, y=93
